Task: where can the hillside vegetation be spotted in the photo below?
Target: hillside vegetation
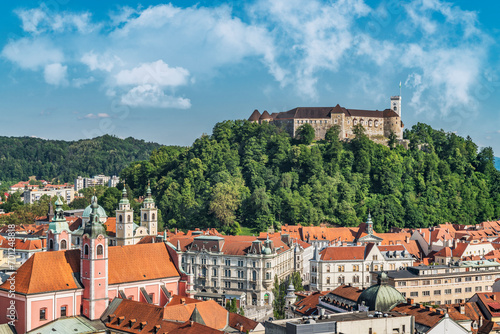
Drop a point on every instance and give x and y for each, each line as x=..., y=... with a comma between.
x=22, y=157
x=257, y=176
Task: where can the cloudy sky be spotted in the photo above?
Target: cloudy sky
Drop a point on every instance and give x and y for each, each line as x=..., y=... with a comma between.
x=167, y=72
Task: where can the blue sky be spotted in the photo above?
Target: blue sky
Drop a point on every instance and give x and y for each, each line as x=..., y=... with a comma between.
x=167, y=72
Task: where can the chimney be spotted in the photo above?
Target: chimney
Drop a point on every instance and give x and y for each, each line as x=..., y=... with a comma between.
x=191, y=323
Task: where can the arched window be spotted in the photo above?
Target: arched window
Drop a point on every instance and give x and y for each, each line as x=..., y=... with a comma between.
x=63, y=244
x=86, y=250
x=153, y=216
x=120, y=218
x=145, y=217
x=128, y=218
x=51, y=244
x=99, y=249
x=328, y=280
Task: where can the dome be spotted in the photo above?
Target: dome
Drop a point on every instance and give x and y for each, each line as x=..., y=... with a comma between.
x=100, y=211
x=266, y=251
x=381, y=297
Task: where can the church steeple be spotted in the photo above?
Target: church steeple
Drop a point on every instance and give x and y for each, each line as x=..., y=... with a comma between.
x=149, y=213
x=94, y=266
x=58, y=235
x=369, y=224
x=124, y=221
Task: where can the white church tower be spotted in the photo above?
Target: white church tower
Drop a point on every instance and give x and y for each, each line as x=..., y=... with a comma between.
x=396, y=104
x=149, y=214
x=124, y=221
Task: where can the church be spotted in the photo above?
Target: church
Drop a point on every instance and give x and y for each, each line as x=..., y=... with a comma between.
x=64, y=282
x=378, y=124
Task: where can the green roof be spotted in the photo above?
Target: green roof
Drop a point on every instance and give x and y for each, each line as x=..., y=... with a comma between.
x=76, y=325
x=381, y=297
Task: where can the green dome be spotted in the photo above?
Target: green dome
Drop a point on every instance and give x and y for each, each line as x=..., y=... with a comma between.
x=100, y=211
x=381, y=297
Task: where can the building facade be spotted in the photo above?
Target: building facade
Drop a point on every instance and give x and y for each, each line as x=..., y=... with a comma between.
x=97, y=180
x=378, y=124
x=445, y=284
x=335, y=266
x=235, y=267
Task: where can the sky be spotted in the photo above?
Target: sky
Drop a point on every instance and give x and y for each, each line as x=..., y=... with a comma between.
x=169, y=71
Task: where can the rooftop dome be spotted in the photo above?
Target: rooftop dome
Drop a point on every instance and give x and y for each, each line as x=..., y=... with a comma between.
x=381, y=297
x=100, y=211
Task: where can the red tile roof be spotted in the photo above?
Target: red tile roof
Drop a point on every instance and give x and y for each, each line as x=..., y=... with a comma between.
x=308, y=305
x=347, y=292
x=343, y=253
x=214, y=315
x=241, y=323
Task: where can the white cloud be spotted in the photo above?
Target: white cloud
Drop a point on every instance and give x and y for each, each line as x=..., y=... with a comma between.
x=156, y=73
x=103, y=62
x=95, y=116
x=80, y=82
x=42, y=19
x=55, y=74
x=32, y=54
x=153, y=96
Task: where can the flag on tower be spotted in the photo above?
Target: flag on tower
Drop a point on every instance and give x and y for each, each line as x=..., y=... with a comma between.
x=400, y=84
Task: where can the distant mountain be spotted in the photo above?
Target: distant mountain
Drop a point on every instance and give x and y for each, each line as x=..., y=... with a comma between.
x=22, y=157
x=497, y=163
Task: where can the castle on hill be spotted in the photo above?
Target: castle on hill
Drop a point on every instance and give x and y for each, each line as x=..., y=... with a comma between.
x=378, y=124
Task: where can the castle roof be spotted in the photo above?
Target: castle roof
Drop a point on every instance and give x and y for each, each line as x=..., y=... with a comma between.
x=125, y=264
x=255, y=116
x=325, y=112
x=265, y=115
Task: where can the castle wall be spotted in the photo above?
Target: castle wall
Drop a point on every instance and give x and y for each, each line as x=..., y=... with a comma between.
x=393, y=124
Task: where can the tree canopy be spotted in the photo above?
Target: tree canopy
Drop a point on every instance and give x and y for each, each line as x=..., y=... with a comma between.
x=257, y=176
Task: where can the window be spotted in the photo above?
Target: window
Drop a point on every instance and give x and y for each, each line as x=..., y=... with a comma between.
x=128, y=218
x=214, y=272
x=214, y=283
x=367, y=267
x=437, y=292
x=328, y=280
x=203, y=261
x=327, y=269
x=51, y=244
x=268, y=264
x=426, y=282
x=426, y=293
x=341, y=269
x=355, y=267
x=414, y=294
x=145, y=217
x=375, y=268
x=402, y=283
x=355, y=279
x=468, y=279
x=479, y=278
x=240, y=274
x=63, y=244
x=152, y=216
x=240, y=263
x=254, y=275
x=374, y=257
x=227, y=273
x=86, y=250
x=437, y=281
x=479, y=288
x=458, y=279
x=120, y=218
x=63, y=310
x=341, y=280
x=43, y=313
x=228, y=262
x=253, y=264
x=458, y=290
x=227, y=284
x=447, y=292
x=214, y=261
x=268, y=276
x=152, y=296
x=99, y=249
x=240, y=286
x=468, y=289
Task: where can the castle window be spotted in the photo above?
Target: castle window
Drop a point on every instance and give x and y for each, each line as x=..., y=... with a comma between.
x=63, y=244
x=99, y=250
x=43, y=313
x=86, y=250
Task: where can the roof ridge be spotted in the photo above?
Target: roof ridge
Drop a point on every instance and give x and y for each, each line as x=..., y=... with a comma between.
x=30, y=267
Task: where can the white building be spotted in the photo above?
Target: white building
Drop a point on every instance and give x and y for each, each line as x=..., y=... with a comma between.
x=97, y=180
x=335, y=266
x=32, y=195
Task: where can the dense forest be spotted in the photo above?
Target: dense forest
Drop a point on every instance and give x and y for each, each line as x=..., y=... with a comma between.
x=22, y=157
x=246, y=174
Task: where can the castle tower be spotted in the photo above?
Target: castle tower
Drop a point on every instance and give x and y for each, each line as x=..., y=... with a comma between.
x=369, y=224
x=124, y=221
x=149, y=214
x=396, y=104
x=58, y=235
x=94, y=267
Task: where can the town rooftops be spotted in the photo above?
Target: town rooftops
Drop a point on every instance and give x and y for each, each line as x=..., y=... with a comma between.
x=125, y=264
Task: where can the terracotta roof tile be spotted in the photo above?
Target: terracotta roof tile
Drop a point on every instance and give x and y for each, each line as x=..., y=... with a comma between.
x=308, y=305
x=214, y=315
x=240, y=322
x=343, y=253
x=347, y=292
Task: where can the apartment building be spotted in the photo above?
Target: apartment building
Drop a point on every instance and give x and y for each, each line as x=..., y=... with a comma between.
x=335, y=266
x=97, y=180
x=445, y=284
x=234, y=267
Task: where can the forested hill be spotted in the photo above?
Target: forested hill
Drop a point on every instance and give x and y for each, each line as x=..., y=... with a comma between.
x=21, y=157
x=256, y=175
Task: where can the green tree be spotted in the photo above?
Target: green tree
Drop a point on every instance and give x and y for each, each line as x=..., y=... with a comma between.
x=279, y=302
x=297, y=281
x=306, y=134
x=231, y=306
x=333, y=133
